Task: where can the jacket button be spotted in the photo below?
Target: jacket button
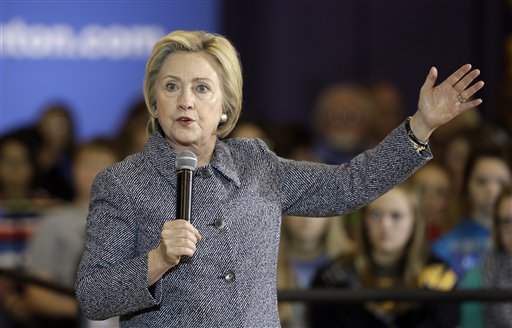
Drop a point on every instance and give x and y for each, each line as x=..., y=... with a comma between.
x=206, y=173
x=229, y=276
x=219, y=224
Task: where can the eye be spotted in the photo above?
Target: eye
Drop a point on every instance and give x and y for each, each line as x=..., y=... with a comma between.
x=171, y=86
x=396, y=216
x=374, y=215
x=202, y=88
x=480, y=181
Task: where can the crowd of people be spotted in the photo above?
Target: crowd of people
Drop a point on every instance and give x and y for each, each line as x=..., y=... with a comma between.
x=45, y=180
x=436, y=231
x=448, y=226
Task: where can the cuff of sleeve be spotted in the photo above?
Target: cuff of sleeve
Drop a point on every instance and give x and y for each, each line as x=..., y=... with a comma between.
x=118, y=290
x=421, y=149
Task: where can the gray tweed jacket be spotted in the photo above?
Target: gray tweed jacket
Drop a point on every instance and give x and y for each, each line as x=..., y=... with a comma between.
x=238, y=202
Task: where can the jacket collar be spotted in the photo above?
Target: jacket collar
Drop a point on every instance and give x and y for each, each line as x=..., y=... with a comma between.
x=163, y=157
x=224, y=163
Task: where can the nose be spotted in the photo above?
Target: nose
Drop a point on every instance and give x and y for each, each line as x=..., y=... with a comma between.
x=386, y=223
x=185, y=99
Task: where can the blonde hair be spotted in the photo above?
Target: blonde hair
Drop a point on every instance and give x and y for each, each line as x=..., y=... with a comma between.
x=229, y=70
x=414, y=257
x=335, y=242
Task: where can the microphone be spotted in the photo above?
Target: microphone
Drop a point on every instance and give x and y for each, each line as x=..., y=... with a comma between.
x=186, y=162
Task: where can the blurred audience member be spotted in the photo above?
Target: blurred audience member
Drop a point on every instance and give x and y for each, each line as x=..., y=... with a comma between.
x=55, y=133
x=469, y=120
x=341, y=116
x=306, y=245
x=21, y=201
x=494, y=271
x=455, y=155
x=252, y=129
x=21, y=198
x=55, y=250
x=457, y=148
x=293, y=141
x=487, y=172
x=390, y=253
x=433, y=183
x=133, y=134
x=389, y=111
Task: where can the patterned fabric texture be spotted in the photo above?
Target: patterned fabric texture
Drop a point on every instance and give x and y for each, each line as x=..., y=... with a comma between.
x=496, y=273
x=238, y=201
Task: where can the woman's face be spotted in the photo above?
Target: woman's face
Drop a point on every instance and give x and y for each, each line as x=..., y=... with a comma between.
x=505, y=223
x=434, y=186
x=189, y=99
x=16, y=170
x=55, y=127
x=486, y=181
x=389, y=221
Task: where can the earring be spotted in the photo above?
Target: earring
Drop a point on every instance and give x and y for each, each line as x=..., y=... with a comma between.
x=223, y=118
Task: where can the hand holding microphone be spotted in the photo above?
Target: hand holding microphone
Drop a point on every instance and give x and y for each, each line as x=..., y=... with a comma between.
x=178, y=237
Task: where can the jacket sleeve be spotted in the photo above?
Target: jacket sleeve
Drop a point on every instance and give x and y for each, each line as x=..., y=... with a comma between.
x=112, y=277
x=312, y=189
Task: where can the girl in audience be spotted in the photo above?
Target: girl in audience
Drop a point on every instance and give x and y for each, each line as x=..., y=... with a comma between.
x=487, y=173
x=436, y=194
x=306, y=245
x=20, y=204
x=390, y=253
x=493, y=272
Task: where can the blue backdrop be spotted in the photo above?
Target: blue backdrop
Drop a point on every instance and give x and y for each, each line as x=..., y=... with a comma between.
x=90, y=55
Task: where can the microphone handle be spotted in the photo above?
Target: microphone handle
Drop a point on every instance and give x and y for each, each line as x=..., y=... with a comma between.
x=184, y=194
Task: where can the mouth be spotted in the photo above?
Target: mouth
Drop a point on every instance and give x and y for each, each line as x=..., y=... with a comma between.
x=183, y=120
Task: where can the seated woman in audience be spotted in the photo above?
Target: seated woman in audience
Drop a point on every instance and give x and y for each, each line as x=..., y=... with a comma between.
x=306, y=245
x=55, y=249
x=54, y=132
x=487, y=172
x=494, y=271
x=133, y=135
x=437, y=201
x=21, y=201
x=390, y=253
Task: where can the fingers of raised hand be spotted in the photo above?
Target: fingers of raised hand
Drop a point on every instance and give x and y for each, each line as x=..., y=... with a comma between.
x=458, y=74
x=466, y=94
x=464, y=82
x=460, y=84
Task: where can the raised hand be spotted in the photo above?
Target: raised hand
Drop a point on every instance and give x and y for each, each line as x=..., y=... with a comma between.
x=439, y=104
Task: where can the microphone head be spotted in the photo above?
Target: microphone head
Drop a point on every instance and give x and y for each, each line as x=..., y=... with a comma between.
x=186, y=160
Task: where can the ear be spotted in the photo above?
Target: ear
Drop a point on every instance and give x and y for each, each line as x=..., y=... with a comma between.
x=153, y=111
